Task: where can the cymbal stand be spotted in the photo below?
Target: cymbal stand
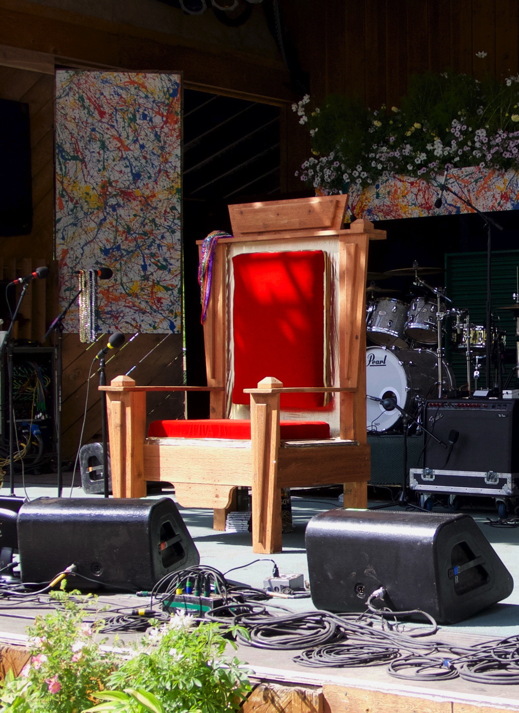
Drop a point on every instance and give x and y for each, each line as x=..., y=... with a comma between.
x=468, y=351
x=440, y=316
x=477, y=371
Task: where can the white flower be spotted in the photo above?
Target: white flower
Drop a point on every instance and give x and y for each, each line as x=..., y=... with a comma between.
x=481, y=55
x=181, y=620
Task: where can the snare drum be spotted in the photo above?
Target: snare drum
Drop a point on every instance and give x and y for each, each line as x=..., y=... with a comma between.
x=421, y=325
x=472, y=335
x=386, y=323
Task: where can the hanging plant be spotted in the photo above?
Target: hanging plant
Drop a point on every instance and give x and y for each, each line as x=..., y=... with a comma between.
x=445, y=121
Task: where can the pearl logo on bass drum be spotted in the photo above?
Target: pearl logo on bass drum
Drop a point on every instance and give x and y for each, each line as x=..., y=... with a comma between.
x=374, y=360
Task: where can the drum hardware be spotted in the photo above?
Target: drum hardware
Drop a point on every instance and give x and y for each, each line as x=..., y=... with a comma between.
x=416, y=269
x=463, y=338
x=515, y=309
x=477, y=370
x=441, y=300
x=372, y=288
x=376, y=276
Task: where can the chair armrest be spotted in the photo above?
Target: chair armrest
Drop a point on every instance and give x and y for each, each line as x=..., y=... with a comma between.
x=271, y=385
x=125, y=383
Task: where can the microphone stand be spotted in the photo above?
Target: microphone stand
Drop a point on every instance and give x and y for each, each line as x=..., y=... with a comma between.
x=7, y=348
x=57, y=326
x=490, y=223
x=104, y=428
x=403, y=499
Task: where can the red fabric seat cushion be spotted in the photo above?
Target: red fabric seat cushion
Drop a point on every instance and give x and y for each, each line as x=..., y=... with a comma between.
x=235, y=428
x=279, y=324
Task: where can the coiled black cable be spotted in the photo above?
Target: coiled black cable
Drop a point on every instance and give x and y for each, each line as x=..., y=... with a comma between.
x=422, y=668
x=344, y=654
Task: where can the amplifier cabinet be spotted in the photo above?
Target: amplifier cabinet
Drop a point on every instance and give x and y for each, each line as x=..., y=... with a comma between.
x=472, y=435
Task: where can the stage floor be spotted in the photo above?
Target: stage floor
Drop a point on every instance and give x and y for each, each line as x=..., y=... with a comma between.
x=344, y=689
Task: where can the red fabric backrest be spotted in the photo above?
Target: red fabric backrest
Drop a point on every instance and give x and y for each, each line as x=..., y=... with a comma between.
x=278, y=319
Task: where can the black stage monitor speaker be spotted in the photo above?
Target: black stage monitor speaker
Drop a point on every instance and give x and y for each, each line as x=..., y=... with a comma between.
x=475, y=434
x=124, y=544
x=439, y=563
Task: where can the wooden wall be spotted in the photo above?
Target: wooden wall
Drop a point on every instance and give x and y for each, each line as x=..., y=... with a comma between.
x=366, y=47
x=371, y=47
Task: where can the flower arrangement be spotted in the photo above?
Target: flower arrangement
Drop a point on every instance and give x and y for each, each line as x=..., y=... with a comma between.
x=445, y=121
x=176, y=667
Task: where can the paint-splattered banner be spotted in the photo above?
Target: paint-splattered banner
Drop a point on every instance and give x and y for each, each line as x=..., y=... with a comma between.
x=404, y=197
x=118, y=196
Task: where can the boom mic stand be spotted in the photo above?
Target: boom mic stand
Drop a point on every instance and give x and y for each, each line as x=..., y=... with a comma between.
x=490, y=223
x=57, y=326
x=389, y=404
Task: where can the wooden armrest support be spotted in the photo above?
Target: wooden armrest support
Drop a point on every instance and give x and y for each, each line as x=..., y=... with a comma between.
x=125, y=383
x=271, y=385
x=298, y=390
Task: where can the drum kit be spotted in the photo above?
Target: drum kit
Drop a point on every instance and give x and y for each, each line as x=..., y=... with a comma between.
x=406, y=366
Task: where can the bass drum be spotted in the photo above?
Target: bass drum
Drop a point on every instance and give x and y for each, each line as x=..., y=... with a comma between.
x=407, y=375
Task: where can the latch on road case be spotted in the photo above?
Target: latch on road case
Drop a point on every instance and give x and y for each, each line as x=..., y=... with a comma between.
x=491, y=478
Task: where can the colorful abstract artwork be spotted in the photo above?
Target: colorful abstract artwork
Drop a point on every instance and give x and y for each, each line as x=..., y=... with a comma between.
x=118, y=197
x=466, y=190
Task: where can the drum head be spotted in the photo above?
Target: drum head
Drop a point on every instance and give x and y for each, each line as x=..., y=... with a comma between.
x=409, y=376
x=385, y=378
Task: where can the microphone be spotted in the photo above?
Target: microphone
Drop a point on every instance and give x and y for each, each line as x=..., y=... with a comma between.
x=38, y=274
x=115, y=341
x=438, y=202
x=453, y=437
x=103, y=273
x=388, y=404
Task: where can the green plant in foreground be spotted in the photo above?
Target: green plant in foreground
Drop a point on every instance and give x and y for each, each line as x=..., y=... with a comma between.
x=67, y=663
x=179, y=668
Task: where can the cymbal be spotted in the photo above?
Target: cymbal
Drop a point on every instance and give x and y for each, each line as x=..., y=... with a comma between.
x=376, y=276
x=376, y=288
x=416, y=269
x=516, y=307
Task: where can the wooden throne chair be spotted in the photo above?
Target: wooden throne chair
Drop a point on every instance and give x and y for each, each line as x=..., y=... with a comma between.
x=284, y=333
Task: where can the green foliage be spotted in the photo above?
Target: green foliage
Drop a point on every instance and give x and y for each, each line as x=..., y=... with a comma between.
x=444, y=121
x=67, y=662
x=181, y=669
x=177, y=667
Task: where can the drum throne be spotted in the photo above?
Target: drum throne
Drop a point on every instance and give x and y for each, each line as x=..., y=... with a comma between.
x=284, y=331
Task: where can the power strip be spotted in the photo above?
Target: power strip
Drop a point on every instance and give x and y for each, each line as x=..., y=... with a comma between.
x=285, y=583
x=193, y=604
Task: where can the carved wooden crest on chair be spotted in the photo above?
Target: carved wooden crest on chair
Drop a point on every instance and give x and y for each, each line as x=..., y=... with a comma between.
x=285, y=358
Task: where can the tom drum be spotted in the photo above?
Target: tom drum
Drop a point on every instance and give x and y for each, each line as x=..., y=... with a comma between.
x=386, y=322
x=421, y=325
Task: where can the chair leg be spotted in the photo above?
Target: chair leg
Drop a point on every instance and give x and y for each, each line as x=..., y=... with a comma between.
x=356, y=494
x=267, y=526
